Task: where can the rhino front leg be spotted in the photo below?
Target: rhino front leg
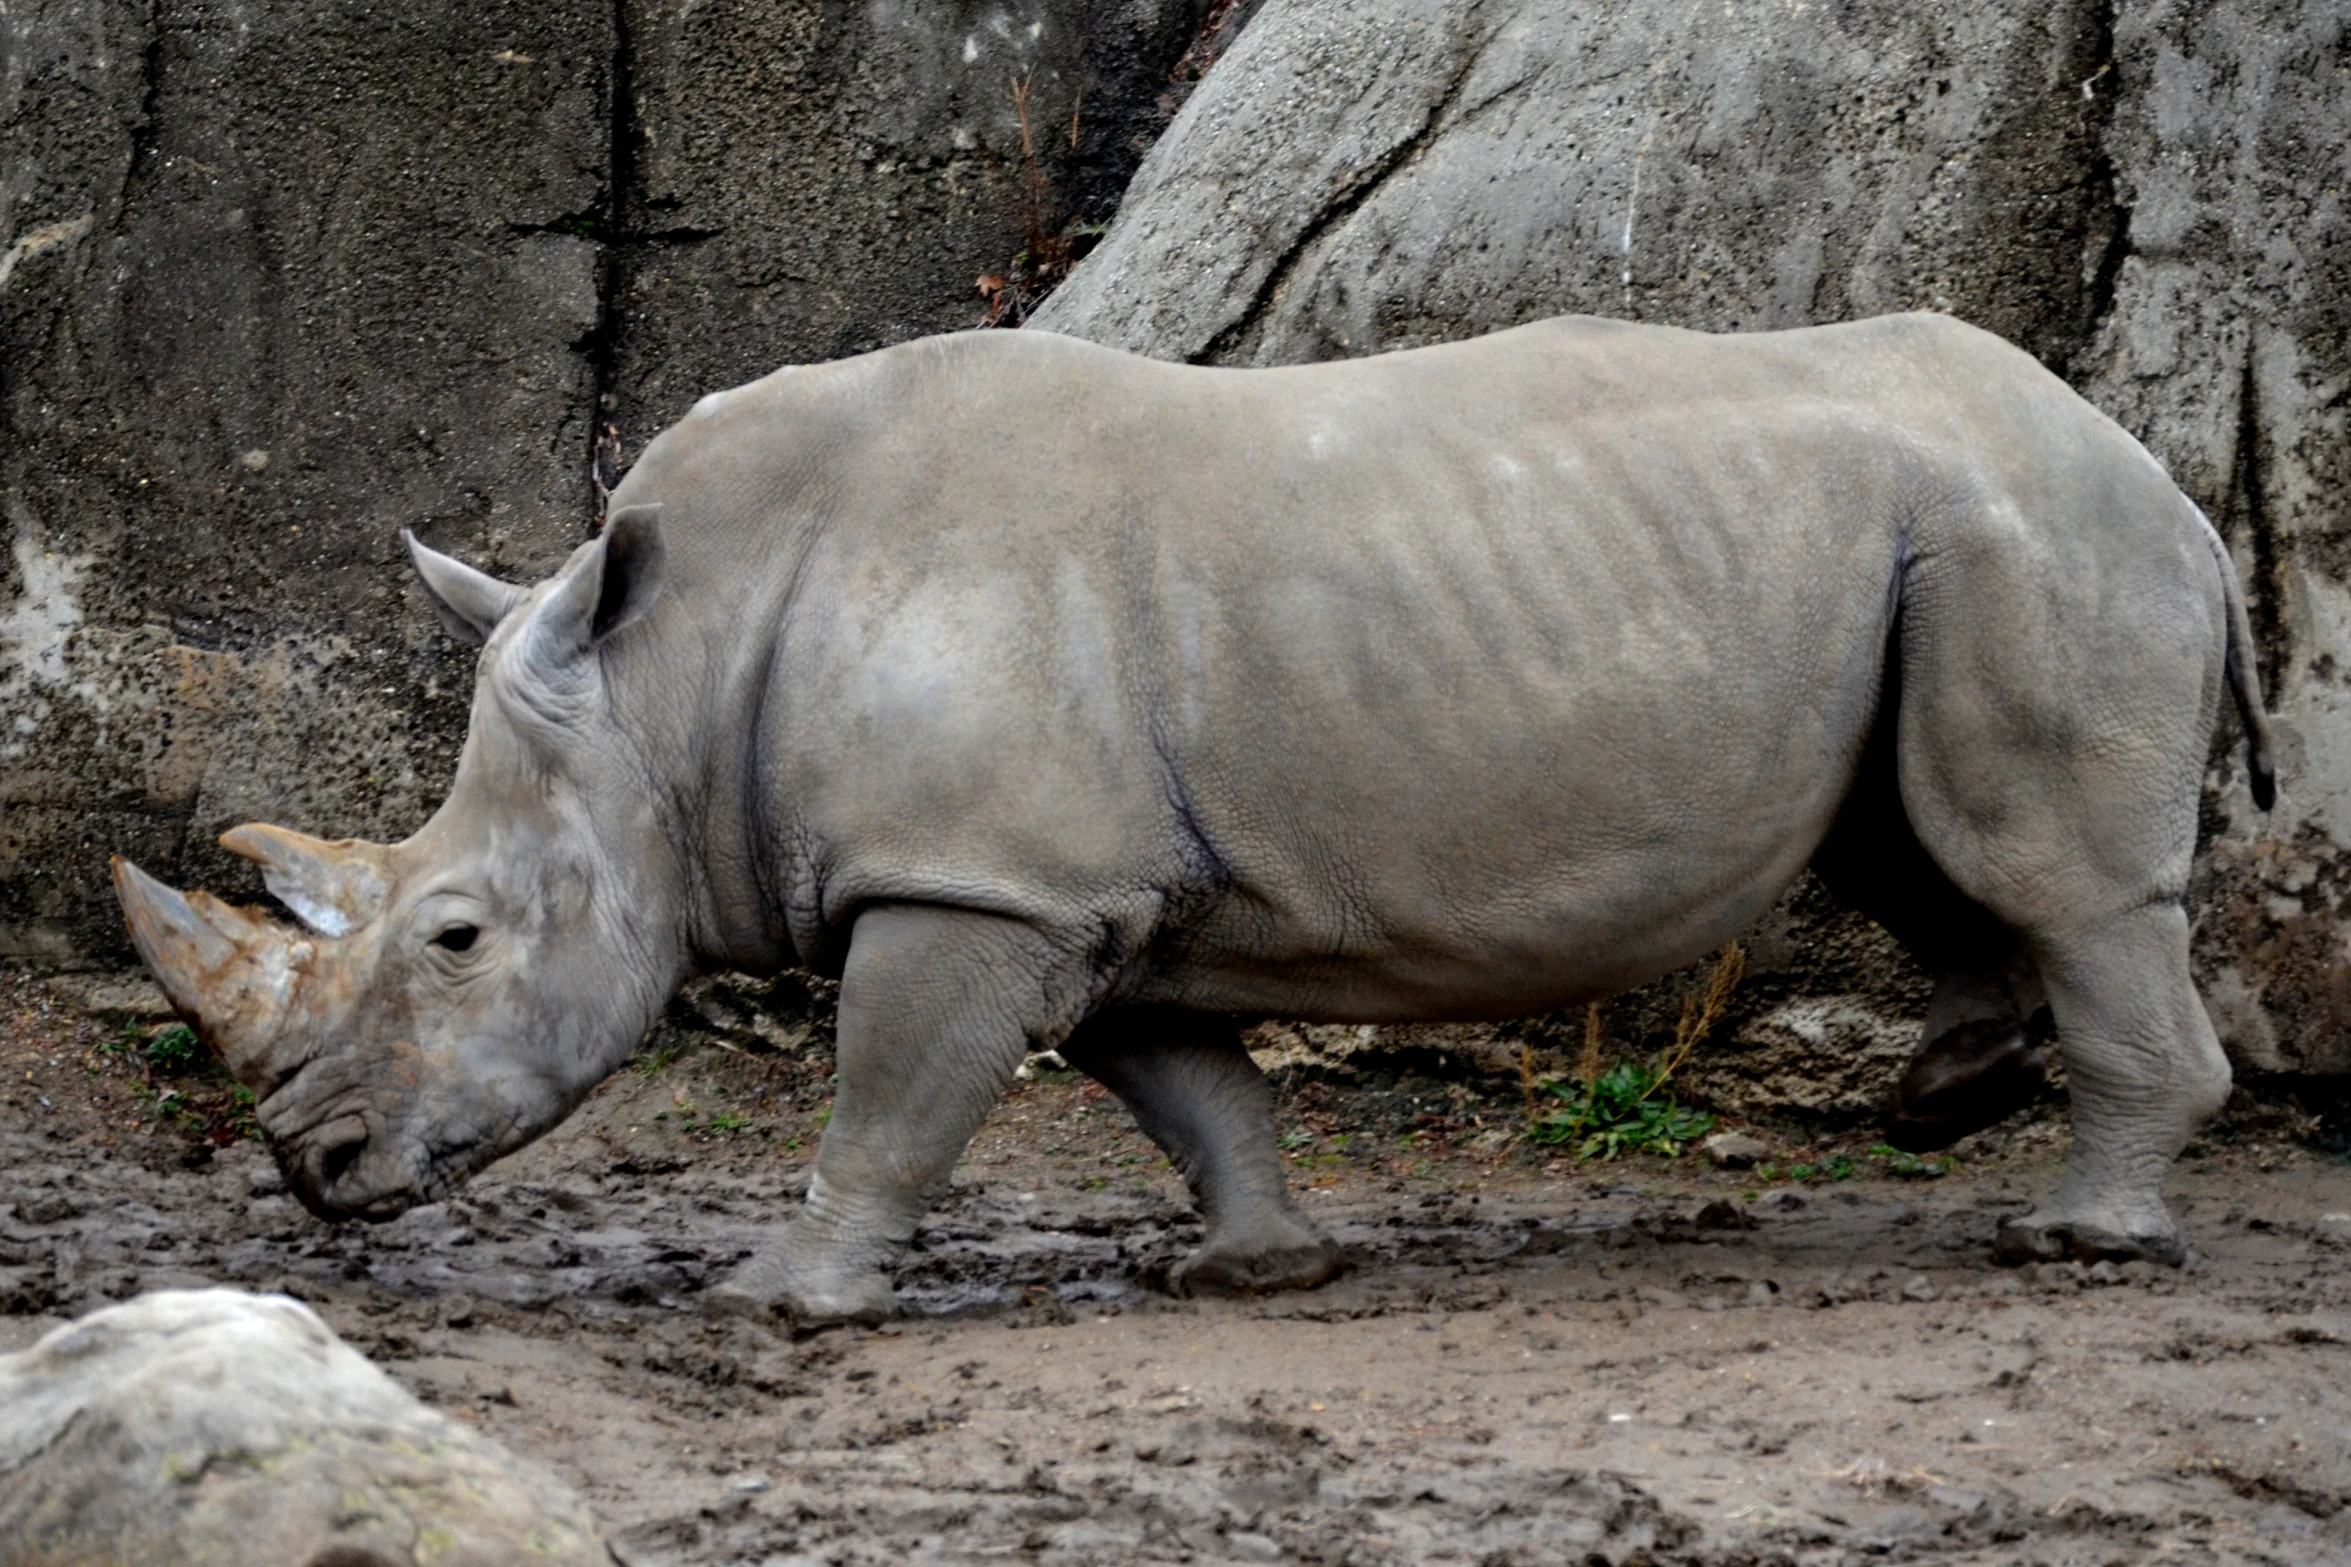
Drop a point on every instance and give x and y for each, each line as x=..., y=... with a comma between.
x=938, y=1008
x=1195, y=1092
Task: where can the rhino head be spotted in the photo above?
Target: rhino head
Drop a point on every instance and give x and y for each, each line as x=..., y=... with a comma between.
x=446, y=999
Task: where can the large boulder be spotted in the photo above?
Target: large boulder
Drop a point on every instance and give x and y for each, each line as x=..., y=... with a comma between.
x=2151, y=197
x=213, y=1428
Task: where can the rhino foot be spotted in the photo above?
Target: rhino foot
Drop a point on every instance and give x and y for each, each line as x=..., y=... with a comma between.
x=772, y=1287
x=2036, y=1238
x=1973, y=1076
x=1292, y=1254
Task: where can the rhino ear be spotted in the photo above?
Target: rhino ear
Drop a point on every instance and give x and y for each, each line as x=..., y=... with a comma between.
x=608, y=586
x=633, y=562
x=471, y=603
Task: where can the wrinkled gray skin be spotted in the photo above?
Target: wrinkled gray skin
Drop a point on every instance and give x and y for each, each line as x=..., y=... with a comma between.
x=1051, y=696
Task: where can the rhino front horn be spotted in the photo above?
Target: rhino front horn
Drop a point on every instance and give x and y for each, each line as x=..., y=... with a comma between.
x=334, y=888
x=223, y=967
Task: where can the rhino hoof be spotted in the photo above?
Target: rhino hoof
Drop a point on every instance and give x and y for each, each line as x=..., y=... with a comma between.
x=1224, y=1268
x=2062, y=1240
x=769, y=1290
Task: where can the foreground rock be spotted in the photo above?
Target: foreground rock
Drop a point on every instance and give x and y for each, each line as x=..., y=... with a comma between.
x=202, y=1426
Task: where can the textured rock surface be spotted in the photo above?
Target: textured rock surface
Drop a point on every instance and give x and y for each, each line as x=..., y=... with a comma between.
x=803, y=181
x=213, y=1426
x=278, y=280
x=2149, y=196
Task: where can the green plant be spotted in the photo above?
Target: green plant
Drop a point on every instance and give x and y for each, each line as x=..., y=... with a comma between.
x=1620, y=1112
x=725, y=1121
x=1905, y=1166
x=1623, y=1109
x=652, y=1063
x=174, y=1048
x=170, y=1049
x=1837, y=1168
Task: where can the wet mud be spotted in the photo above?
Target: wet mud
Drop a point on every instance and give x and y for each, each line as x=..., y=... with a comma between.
x=1528, y=1362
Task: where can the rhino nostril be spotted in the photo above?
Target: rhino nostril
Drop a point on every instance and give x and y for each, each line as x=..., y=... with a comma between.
x=337, y=1149
x=338, y=1162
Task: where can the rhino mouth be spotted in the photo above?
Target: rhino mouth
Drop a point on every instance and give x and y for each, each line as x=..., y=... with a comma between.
x=349, y=1162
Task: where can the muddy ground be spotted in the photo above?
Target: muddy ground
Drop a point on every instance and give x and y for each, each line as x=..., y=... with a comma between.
x=1532, y=1361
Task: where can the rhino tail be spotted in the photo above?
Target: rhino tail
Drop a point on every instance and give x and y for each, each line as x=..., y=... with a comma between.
x=2244, y=678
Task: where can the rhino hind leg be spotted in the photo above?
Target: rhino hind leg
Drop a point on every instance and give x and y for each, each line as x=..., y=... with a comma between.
x=1970, y=1076
x=1984, y=1048
x=2058, y=685
x=2143, y=1069
x=1194, y=1091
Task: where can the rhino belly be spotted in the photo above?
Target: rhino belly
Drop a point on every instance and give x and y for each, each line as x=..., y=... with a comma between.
x=1506, y=835
x=1399, y=934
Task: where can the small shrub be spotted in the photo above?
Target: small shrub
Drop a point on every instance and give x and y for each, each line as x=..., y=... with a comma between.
x=1053, y=243
x=174, y=1049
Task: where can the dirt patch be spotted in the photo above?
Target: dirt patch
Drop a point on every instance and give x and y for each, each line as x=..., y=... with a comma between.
x=1531, y=1361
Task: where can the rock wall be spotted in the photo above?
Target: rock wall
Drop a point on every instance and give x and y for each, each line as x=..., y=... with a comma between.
x=280, y=279
x=2148, y=195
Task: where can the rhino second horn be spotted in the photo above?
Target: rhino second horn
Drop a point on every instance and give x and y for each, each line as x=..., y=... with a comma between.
x=227, y=969
x=334, y=888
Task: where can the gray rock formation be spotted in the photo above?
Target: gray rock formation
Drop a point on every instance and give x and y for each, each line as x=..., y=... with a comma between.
x=215, y=1427
x=2149, y=196
x=278, y=280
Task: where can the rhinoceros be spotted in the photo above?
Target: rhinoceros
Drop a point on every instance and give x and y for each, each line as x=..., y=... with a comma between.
x=1050, y=696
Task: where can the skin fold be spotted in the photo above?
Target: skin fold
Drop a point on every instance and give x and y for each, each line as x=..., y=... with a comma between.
x=1050, y=696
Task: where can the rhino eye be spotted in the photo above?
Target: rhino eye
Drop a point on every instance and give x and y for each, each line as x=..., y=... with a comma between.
x=457, y=938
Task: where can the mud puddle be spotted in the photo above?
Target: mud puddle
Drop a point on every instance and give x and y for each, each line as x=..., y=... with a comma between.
x=1528, y=1363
